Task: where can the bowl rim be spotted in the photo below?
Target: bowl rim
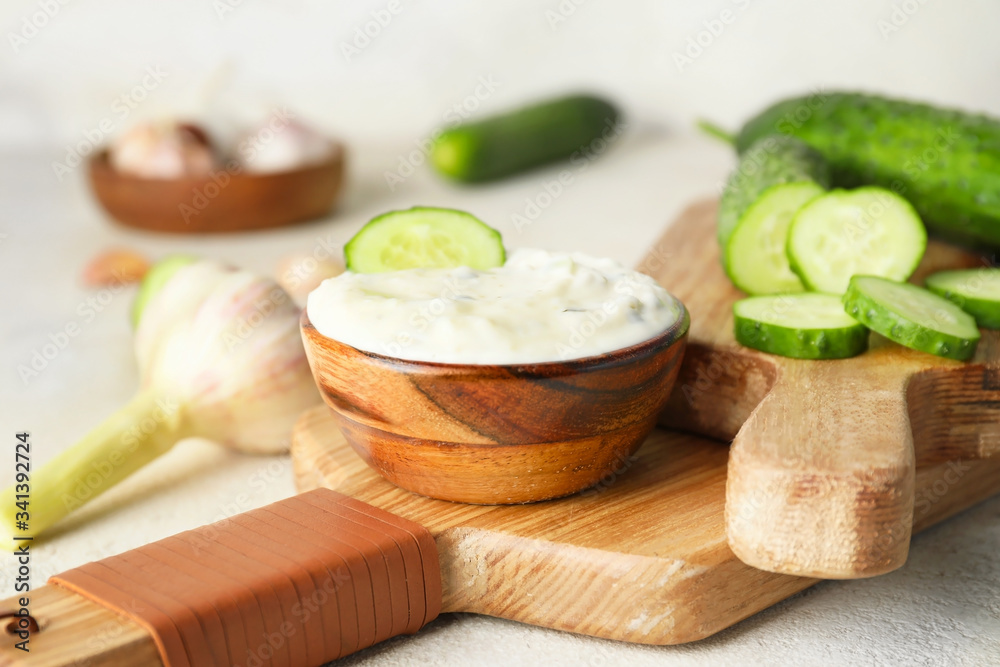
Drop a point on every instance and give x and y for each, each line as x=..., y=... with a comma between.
x=666, y=338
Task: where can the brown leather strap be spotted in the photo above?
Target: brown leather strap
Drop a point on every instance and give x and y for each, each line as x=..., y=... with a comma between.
x=301, y=582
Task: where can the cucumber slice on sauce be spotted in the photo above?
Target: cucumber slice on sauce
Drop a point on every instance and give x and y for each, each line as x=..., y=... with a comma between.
x=423, y=237
x=912, y=316
x=755, y=253
x=868, y=231
x=976, y=291
x=803, y=326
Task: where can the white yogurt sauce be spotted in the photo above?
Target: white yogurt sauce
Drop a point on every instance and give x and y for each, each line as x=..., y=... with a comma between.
x=539, y=306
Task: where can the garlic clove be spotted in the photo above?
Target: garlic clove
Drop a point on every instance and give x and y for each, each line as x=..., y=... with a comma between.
x=283, y=144
x=163, y=150
x=116, y=266
x=301, y=273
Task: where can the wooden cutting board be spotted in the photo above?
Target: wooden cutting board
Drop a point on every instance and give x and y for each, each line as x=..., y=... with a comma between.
x=821, y=473
x=642, y=557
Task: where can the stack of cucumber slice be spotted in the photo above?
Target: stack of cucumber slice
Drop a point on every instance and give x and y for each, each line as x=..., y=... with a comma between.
x=783, y=233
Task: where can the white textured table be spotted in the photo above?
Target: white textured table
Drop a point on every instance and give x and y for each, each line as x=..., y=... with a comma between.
x=942, y=608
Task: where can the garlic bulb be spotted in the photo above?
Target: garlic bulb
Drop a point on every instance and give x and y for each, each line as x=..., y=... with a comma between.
x=221, y=357
x=227, y=344
x=163, y=150
x=282, y=144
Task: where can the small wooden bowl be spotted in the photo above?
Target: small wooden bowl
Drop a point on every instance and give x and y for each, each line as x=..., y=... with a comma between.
x=228, y=200
x=497, y=434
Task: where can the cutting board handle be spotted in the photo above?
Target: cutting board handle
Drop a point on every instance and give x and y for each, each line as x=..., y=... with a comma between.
x=303, y=581
x=821, y=477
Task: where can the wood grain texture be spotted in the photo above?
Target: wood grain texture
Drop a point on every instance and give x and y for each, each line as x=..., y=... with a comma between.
x=496, y=434
x=75, y=631
x=642, y=557
x=233, y=201
x=821, y=475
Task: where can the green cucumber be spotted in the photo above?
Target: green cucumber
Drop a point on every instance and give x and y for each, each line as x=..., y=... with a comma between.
x=803, y=326
x=946, y=162
x=912, y=316
x=154, y=280
x=867, y=231
x=976, y=291
x=526, y=138
x=424, y=237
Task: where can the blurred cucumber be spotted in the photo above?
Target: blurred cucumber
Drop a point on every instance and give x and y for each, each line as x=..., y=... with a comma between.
x=945, y=162
x=523, y=139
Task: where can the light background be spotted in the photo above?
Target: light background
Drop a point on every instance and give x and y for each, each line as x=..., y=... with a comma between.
x=234, y=67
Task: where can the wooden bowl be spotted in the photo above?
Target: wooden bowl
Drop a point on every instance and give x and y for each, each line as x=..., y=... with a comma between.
x=228, y=200
x=497, y=434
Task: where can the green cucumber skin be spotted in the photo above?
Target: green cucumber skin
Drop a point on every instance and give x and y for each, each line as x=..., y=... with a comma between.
x=986, y=311
x=800, y=343
x=902, y=330
x=523, y=139
x=946, y=162
x=772, y=160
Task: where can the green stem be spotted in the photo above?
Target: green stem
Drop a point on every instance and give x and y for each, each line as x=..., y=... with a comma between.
x=147, y=427
x=714, y=130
